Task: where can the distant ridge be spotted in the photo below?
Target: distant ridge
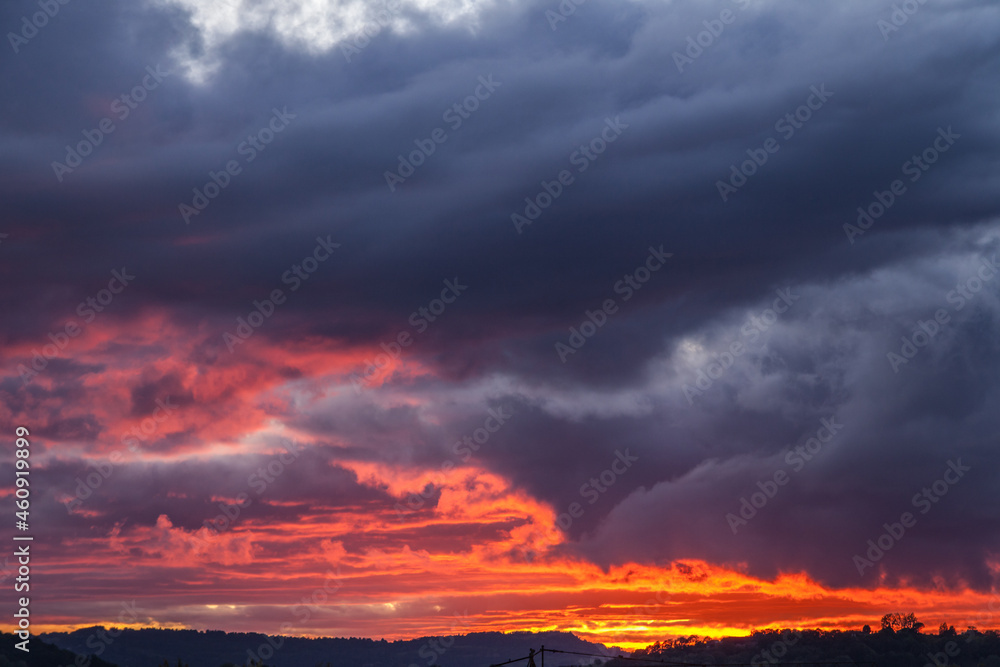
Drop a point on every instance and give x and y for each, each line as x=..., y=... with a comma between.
x=40, y=654
x=150, y=647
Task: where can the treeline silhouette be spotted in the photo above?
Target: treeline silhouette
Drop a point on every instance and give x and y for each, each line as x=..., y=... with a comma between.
x=41, y=654
x=151, y=647
x=899, y=642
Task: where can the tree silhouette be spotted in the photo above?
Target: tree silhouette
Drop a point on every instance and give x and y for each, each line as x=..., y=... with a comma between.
x=910, y=622
x=896, y=622
x=892, y=622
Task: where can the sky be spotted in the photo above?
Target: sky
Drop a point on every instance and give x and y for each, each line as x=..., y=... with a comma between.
x=633, y=319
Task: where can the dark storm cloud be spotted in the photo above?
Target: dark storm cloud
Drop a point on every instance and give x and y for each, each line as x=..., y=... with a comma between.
x=95, y=496
x=655, y=184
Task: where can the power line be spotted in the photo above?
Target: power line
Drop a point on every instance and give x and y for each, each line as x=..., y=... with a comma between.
x=511, y=661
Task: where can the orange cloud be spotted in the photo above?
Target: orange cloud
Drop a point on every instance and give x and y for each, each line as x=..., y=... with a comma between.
x=486, y=554
x=462, y=542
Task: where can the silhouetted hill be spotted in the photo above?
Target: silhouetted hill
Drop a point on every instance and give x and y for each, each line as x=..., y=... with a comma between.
x=149, y=648
x=42, y=654
x=905, y=648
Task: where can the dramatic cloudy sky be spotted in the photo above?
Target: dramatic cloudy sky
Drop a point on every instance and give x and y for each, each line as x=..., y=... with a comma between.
x=152, y=409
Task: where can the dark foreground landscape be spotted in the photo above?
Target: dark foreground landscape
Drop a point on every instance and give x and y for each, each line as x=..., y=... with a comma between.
x=94, y=647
